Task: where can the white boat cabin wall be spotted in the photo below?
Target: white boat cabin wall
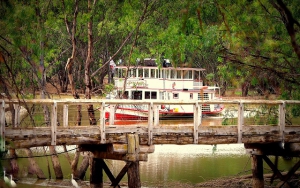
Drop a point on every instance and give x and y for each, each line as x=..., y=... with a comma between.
x=162, y=83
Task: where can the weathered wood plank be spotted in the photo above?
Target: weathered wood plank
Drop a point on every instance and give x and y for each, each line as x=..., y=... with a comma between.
x=197, y=120
x=66, y=115
x=281, y=119
x=77, y=135
x=240, y=122
x=150, y=123
x=54, y=124
x=2, y=126
x=156, y=102
x=102, y=123
x=17, y=109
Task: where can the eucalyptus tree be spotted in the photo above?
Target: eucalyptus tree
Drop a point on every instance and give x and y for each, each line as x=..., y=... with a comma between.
x=260, y=40
x=27, y=40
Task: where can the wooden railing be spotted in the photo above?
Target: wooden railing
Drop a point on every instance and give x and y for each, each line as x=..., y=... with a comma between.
x=153, y=132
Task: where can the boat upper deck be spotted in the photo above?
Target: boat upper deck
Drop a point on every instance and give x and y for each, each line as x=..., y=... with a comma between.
x=158, y=78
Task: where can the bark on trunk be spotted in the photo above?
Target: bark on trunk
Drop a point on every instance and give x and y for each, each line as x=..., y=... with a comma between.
x=34, y=166
x=75, y=163
x=84, y=166
x=87, y=77
x=56, y=163
x=67, y=154
x=14, y=163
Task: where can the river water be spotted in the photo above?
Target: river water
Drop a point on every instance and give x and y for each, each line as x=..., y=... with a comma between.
x=169, y=164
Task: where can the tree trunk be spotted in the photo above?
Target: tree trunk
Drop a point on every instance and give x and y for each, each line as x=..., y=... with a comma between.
x=55, y=162
x=35, y=167
x=14, y=163
x=245, y=89
x=67, y=155
x=75, y=163
x=84, y=166
x=87, y=77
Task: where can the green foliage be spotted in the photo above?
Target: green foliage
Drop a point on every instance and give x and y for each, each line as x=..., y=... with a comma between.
x=108, y=88
x=237, y=42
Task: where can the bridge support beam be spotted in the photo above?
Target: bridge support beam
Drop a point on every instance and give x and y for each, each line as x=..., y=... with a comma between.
x=257, y=171
x=96, y=177
x=131, y=153
x=133, y=175
x=260, y=153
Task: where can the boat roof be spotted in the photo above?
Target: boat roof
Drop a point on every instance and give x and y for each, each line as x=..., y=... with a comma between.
x=163, y=68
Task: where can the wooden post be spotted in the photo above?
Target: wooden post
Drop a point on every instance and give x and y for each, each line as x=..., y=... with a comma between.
x=102, y=123
x=65, y=115
x=133, y=175
x=197, y=121
x=281, y=120
x=156, y=115
x=240, y=121
x=133, y=172
x=150, y=123
x=17, y=115
x=112, y=114
x=133, y=148
x=54, y=124
x=2, y=126
x=96, y=176
x=257, y=171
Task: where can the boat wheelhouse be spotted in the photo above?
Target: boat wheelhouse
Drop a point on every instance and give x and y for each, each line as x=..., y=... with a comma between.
x=162, y=83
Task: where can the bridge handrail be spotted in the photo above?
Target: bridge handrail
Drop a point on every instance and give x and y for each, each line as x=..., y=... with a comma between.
x=153, y=112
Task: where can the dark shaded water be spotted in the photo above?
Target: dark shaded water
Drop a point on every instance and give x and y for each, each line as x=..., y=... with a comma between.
x=190, y=164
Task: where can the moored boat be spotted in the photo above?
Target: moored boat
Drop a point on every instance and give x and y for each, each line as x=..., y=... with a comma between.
x=149, y=82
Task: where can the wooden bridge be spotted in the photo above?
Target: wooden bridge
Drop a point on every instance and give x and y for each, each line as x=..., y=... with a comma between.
x=265, y=127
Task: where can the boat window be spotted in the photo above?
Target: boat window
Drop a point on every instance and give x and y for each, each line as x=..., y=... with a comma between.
x=173, y=74
x=163, y=73
x=187, y=74
x=132, y=73
x=150, y=95
x=137, y=95
x=146, y=73
x=161, y=95
x=167, y=74
x=191, y=95
x=121, y=73
x=178, y=74
x=153, y=73
x=147, y=94
x=141, y=73
x=175, y=95
x=153, y=95
x=197, y=75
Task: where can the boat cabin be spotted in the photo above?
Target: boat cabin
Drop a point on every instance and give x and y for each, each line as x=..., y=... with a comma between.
x=164, y=83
